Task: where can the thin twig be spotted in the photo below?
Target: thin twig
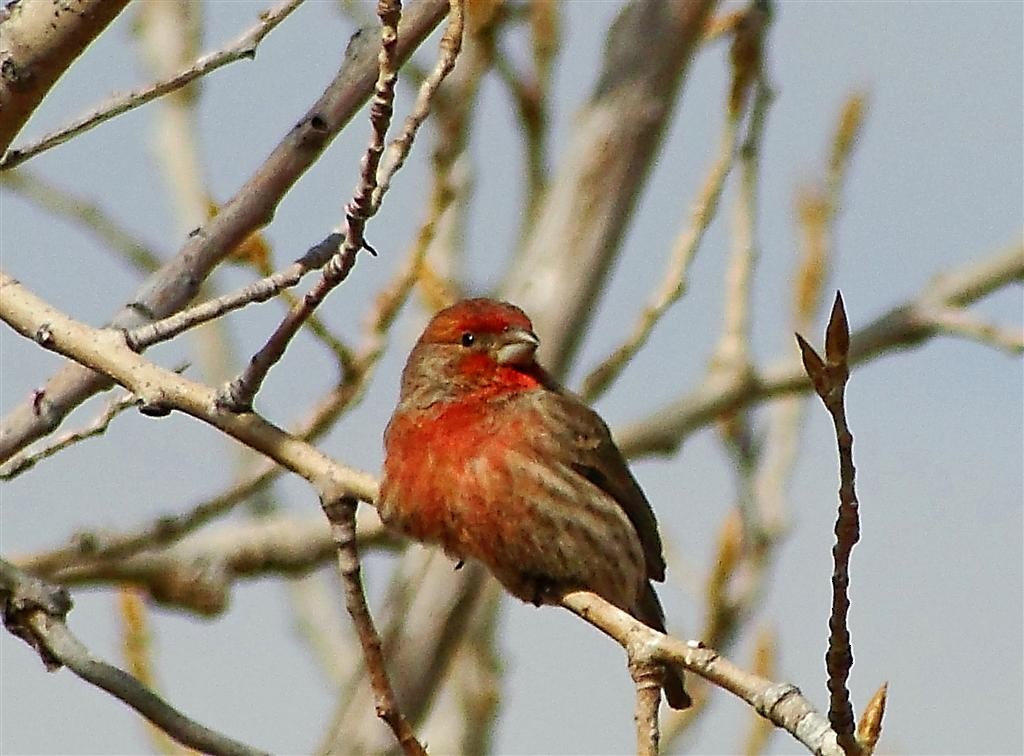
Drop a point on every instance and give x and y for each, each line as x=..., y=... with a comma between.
x=35, y=612
x=179, y=279
x=25, y=462
x=341, y=513
x=258, y=291
x=238, y=394
x=829, y=377
x=242, y=48
x=397, y=151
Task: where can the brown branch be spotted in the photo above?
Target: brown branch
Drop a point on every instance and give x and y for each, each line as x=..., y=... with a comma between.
x=178, y=281
x=829, y=377
x=341, y=513
x=35, y=612
x=906, y=325
x=38, y=43
x=242, y=48
x=781, y=703
x=239, y=393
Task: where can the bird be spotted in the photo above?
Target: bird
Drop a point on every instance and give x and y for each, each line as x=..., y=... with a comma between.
x=489, y=457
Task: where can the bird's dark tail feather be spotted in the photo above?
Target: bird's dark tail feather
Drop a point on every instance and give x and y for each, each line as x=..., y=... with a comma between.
x=649, y=612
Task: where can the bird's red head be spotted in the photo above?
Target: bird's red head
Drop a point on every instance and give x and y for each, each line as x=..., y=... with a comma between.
x=475, y=344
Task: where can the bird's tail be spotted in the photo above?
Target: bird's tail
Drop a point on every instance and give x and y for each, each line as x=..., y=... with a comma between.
x=649, y=611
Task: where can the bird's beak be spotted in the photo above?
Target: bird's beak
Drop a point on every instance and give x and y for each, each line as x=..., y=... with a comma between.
x=516, y=346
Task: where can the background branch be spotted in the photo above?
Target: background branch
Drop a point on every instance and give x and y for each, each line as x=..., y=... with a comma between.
x=906, y=325
x=242, y=48
x=177, y=282
x=35, y=612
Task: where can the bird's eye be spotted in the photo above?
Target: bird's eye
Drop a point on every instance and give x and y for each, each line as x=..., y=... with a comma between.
x=467, y=339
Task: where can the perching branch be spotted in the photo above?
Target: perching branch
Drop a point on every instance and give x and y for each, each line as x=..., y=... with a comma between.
x=781, y=703
x=242, y=48
x=35, y=612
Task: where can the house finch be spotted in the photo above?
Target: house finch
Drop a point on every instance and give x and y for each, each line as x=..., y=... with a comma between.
x=490, y=458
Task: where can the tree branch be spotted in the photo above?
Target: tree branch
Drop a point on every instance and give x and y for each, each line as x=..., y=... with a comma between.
x=906, y=325
x=781, y=703
x=178, y=281
x=38, y=43
x=160, y=391
x=242, y=48
x=35, y=612
x=341, y=514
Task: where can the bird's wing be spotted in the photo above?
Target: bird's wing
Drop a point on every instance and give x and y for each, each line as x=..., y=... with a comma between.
x=596, y=458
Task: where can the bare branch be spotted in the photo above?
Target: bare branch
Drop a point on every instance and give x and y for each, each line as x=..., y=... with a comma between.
x=341, y=513
x=261, y=290
x=242, y=48
x=781, y=703
x=25, y=462
x=160, y=391
x=36, y=611
x=239, y=393
x=40, y=41
x=829, y=377
x=904, y=326
x=178, y=281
